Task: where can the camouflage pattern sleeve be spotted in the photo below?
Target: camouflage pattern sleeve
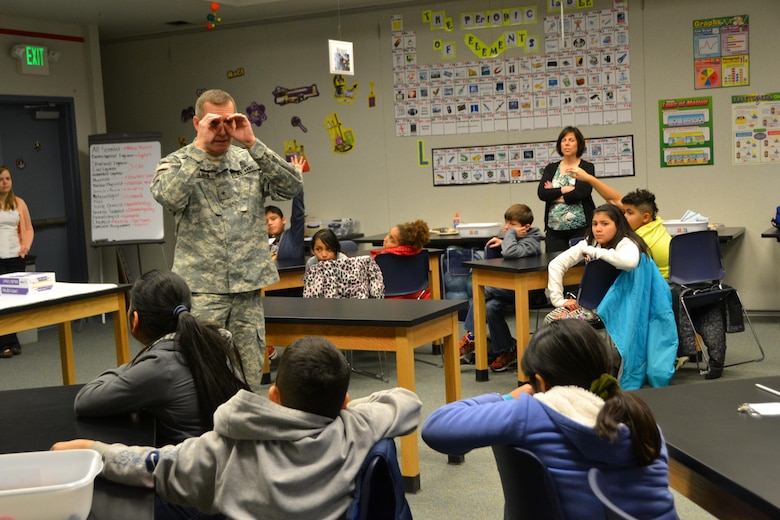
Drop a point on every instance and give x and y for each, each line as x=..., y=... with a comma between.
x=175, y=178
x=281, y=181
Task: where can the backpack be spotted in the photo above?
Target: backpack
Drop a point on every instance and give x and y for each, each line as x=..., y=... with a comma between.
x=379, y=487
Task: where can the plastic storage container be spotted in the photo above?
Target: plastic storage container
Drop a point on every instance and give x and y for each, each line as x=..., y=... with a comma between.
x=48, y=485
x=678, y=227
x=480, y=229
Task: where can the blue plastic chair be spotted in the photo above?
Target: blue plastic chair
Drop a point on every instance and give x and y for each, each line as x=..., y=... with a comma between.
x=492, y=252
x=379, y=488
x=404, y=274
x=696, y=258
x=597, y=278
x=599, y=487
x=348, y=247
x=529, y=490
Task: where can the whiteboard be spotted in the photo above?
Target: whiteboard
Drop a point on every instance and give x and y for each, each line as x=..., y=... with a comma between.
x=121, y=170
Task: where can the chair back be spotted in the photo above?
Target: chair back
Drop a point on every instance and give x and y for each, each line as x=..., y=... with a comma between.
x=695, y=257
x=492, y=252
x=348, y=247
x=404, y=274
x=575, y=240
x=454, y=258
x=529, y=491
x=599, y=487
x=597, y=278
x=379, y=489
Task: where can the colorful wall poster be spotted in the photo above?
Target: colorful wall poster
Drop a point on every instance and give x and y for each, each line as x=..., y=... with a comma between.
x=721, y=56
x=525, y=162
x=686, y=132
x=565, y=71
x=755, y=124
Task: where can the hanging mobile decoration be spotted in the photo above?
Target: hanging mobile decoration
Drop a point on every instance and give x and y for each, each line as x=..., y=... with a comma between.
x=212, y=17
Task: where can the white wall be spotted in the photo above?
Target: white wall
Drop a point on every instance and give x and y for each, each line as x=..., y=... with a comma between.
x=148, y=82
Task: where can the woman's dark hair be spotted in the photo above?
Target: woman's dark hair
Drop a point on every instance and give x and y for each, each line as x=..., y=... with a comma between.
x=415, y=234
x=215, y=365
x=577, y=135
x=570, y=352
x=615, y=214
x=329, y=238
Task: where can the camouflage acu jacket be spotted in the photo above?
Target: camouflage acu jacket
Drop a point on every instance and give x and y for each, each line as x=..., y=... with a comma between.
x=221, y=236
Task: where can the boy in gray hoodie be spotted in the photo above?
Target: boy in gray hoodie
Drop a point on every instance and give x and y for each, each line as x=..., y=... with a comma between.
x=295, y=454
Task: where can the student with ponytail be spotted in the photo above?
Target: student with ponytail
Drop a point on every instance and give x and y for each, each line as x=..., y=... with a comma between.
x=573, y=416
x=186, y=369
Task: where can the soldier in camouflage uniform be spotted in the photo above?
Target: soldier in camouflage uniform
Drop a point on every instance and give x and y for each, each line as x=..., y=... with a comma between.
x=217, y=193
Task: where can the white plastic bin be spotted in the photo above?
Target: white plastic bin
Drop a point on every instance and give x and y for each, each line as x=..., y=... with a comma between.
x=480, y=229
x=48, y=485
x=678, y=227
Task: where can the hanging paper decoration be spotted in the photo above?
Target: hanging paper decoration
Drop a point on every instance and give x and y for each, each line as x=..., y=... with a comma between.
x=284, y=95
x=291, y=149
x=256, y=113
x=342, y=92
x=342, y=139
x=371, y=95
x=296, y=121
x=187, y=114
x=212, y=17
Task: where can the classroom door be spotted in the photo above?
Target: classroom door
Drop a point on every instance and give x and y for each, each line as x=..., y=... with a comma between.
x=37, y=143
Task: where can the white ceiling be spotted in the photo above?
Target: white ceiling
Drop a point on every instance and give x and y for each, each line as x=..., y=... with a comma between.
x=121, y=19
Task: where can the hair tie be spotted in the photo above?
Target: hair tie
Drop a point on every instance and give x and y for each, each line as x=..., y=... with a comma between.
x=179, y=309
x=604, y=386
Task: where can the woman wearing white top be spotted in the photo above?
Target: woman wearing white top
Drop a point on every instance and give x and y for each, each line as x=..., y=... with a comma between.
x=16, y=236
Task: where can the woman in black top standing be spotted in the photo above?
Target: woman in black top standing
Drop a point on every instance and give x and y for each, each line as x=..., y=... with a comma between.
x=569, y=205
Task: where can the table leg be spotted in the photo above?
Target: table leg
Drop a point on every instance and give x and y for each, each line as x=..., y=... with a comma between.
x=66, y=353
x=434, y=277
x=452, y=375
x=480, y=327
x=404, y=365
x=523, y=324
x=120, y=331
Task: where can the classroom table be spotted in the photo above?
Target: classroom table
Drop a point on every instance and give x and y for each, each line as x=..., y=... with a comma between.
x=772, y=232
x=729, y=233
x=62, y=304
x=290, y=275
x=376, y=324
x=721, y=459
x=437, y=241
x=517, y=274
x=34, y=419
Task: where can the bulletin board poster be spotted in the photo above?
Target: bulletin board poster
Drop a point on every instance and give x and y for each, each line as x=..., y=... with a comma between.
x=721, y=55
x=525, y=162
x=755, y=123
x=686, y=132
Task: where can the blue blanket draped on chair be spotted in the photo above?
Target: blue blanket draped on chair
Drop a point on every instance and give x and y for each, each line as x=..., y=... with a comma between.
x=637, y=313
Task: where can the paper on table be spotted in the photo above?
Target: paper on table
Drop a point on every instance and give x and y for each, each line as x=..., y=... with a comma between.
x=760, y=408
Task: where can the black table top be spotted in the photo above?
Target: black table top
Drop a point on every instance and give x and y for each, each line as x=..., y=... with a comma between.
x=705, y=432
x=518, y=265
x=772, y=232
x=34, y=419
x=355, y=312
x=440, y=241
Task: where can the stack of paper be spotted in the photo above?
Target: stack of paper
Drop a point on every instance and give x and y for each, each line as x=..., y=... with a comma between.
x=692, y=216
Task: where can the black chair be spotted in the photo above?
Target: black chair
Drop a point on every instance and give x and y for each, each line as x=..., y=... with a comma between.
x=597, y=278
x=599, y=487
x=696, y=258
x=348, y=247
x=379, y=488
x=529, y=491
x=405, y=274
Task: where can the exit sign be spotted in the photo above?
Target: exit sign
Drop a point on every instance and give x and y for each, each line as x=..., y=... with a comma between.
x=34, y=60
